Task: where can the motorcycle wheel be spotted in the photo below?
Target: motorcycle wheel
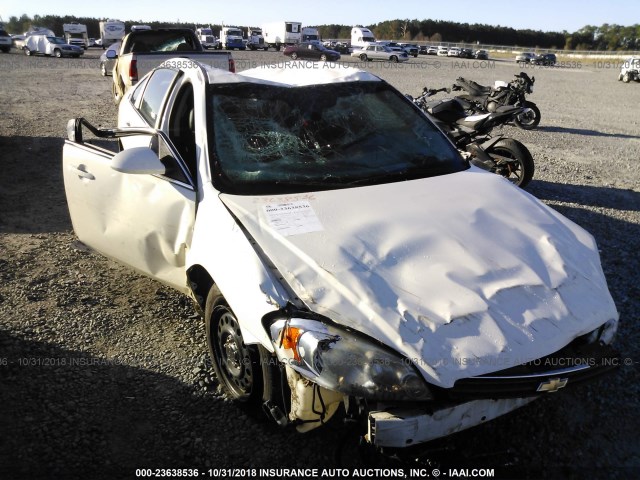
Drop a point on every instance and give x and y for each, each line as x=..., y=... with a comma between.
x=518, y=172
x=529, y=121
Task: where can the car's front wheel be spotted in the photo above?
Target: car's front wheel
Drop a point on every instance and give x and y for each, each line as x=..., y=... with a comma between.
x=245, y=372
x=294, y=56
x=58, y=53
x=626, y=78
x=394, y=59
x=323, y=57
x=363, y=57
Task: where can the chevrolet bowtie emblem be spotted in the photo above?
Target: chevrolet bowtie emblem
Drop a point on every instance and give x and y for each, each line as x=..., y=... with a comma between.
x=553, y=385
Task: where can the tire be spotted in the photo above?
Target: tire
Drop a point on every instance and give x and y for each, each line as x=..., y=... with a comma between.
x=323, y=58
x=294, y=56
x=266, y=49
x=363, y=57
x=394, y=59
x=57, y=53
x=619, y=77
x=626, y=78
x=27, y=52
x=116, y=93
x=519, y=173
x=103, y=69
x=530, y=121
x=245, y=372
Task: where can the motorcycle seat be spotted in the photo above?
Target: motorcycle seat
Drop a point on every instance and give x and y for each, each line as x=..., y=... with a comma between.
x=474, y=89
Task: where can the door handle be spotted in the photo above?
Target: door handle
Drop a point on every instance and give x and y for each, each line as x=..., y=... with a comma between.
x=81, y=171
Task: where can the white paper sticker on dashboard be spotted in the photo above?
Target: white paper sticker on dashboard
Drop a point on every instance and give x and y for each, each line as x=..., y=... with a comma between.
x=292, y=218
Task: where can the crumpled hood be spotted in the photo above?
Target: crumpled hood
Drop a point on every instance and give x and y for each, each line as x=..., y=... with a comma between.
x=464, y=274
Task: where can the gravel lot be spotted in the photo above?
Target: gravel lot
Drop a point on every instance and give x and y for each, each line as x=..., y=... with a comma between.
x=103, y=372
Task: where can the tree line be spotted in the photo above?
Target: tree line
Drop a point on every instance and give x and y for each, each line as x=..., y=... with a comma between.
x=604, y=37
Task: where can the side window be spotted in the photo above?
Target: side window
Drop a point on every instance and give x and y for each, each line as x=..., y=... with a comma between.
x=139, y=88
x=157, y=87
x=182, y=128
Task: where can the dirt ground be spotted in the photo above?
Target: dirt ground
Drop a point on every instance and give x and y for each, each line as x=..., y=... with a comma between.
x=103, y=372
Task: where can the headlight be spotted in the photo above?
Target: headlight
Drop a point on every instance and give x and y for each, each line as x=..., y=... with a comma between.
x=346, y=362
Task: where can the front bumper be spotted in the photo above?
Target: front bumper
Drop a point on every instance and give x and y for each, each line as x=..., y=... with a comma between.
x=476, y=400
x=400, y=428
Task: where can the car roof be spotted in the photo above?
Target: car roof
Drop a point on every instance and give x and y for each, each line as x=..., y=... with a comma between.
x=285, y=75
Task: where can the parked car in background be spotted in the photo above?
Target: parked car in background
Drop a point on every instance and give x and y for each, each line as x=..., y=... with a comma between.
x=380, y=52
x=18, y=41
x=422, y=49
x=108, y=60
x=393, y=46
x=5, y=41
x=92, y=42
x=442, y=51
x=432, y=50
x=143, y=50
x=525, y=57
x=481, y=55
x=53, y=46
x=630, y=70
x=547, y=59
x=466, y=53
x=454, y=52
x=410, y=48
x=313, y=50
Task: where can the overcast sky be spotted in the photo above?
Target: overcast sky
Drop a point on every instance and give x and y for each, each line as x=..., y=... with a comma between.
x=546, y=15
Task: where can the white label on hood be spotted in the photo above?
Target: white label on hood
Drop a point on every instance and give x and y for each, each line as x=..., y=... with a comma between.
x=292, y=218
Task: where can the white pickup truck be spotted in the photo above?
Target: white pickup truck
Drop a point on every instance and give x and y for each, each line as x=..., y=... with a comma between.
x=143, y=50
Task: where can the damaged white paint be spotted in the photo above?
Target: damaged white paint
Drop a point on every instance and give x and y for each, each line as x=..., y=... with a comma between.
x=140, y=220
x=401, y=428
x=463, y=274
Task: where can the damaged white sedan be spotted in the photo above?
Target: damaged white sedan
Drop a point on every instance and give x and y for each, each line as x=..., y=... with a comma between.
x=344, y=255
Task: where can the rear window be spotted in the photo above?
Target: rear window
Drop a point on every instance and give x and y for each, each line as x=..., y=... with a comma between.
x=161, y=41
x=157, y=88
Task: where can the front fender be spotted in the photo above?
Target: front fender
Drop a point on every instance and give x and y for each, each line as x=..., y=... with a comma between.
x=222, y=248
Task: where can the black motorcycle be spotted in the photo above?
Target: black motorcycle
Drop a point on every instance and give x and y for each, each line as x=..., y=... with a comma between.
x=471, y=135
x=487, y=99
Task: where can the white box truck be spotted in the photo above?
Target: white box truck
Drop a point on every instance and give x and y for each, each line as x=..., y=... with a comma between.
x=111, y=31
x=278, y=34
x=206, y=37
x=309, y=34
x=361, y=37
x=76, y=34
x=255, y=39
